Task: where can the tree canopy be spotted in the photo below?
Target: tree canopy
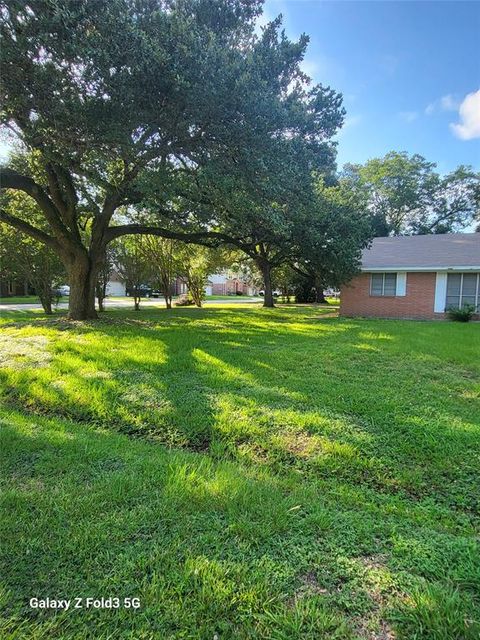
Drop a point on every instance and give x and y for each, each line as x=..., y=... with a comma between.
x=23, y=257
x=405, y=195
x=330, y=242
x=173, y=105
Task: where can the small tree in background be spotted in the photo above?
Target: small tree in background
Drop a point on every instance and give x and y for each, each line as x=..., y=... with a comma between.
x=284, y=279
x=195, y=264
x=25, y=258
x=132, y=265
x=22, y=256
x=161, y=254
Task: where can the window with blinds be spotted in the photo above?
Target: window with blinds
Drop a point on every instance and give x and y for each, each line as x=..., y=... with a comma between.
x=383, y=284
x=463, y=289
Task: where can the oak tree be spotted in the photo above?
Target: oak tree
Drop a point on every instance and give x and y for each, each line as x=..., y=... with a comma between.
x=148, y=103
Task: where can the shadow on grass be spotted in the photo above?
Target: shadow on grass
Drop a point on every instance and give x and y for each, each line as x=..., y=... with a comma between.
x=388, y=405
x=213, y=547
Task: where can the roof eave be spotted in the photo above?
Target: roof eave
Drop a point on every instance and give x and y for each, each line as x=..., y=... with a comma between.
x=420, y=269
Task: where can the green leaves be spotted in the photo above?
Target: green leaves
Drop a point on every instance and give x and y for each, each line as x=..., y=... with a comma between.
x=407, y=196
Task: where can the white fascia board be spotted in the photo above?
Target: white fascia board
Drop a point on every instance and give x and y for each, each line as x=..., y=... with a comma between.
x=418, y=269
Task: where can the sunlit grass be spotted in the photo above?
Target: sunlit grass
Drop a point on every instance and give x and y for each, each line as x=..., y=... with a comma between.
x=248, y=473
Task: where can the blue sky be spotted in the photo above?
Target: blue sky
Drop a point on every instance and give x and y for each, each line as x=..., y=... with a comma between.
x=405, y=70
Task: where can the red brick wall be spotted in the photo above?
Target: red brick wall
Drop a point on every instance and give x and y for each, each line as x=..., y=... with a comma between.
x=230, y=287
x=355, y=299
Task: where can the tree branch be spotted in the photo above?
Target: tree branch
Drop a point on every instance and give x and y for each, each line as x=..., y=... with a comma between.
x=10, y=179
x=201, y=237
x=28, y=229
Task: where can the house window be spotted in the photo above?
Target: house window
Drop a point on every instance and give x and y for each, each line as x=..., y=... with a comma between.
x=463, y=289
x=383, y=284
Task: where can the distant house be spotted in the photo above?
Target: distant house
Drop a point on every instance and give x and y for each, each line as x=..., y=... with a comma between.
x=229, y=283
x=415, y=277
x=13, y=287
x=115, y=286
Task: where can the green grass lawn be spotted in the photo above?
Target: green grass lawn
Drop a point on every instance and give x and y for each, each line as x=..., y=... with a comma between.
x=246, y=473
x=20, y=300
x=27, y=300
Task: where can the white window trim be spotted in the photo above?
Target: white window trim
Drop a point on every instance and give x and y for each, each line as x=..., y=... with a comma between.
x=401, y=289
x=440, y=299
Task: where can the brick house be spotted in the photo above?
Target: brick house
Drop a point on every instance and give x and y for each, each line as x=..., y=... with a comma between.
x=229, y=283
x=415, y=277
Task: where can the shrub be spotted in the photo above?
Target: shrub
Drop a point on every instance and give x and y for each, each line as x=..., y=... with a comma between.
x=464, y=314
x=184, y=301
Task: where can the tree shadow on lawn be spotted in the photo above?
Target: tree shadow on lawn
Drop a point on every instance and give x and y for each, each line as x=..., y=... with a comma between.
x=361, y=402
x=209, y=547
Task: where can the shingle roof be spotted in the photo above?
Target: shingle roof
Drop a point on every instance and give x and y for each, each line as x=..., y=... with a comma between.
x=422, y=252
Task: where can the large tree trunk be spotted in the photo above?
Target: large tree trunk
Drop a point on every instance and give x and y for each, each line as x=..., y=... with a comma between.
x=265, y=268
x=82, y=279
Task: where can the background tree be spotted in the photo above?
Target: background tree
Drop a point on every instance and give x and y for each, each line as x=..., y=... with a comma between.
x=25, y=258
x=405, y=194
x=284, y=279
x=132, y=265
x=267, y=224
x=162, y=255
x=197, y=101
x=330, y=242
x=195, y=264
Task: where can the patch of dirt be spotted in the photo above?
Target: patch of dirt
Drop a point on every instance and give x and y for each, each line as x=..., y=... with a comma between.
x=310, y=583
x=370, y=628
x=376, y=561
x=384, y=632
x=300, y=444
x=309, y=586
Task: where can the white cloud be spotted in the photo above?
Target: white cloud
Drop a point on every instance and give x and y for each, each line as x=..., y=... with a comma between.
x=445, y=103
x=469, y=112
x=408, y=116
x=449, y=103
